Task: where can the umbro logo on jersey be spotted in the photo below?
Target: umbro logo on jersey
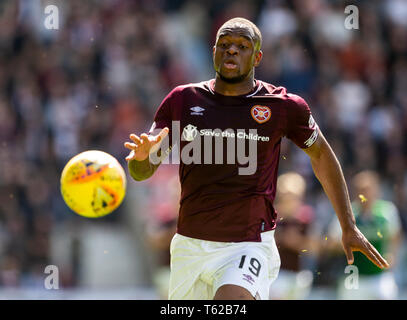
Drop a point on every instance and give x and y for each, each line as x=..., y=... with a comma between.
x=260, y=113
x=197, y=110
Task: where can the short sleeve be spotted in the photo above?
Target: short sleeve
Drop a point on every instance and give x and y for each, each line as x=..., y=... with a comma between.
x=163, y=115
x=301, y=126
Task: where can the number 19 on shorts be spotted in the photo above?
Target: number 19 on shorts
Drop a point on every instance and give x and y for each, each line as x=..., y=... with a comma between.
x=254, y=265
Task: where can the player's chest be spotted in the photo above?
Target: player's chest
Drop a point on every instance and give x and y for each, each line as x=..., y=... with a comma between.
x=264, y=118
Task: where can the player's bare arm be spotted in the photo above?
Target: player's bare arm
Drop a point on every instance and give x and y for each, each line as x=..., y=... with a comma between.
x=328, y=171
x=140, y=148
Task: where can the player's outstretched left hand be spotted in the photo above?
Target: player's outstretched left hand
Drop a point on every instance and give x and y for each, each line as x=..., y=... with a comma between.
x=354, y=240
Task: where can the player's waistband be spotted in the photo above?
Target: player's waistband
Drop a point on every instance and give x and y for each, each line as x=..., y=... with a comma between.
x=265, y=237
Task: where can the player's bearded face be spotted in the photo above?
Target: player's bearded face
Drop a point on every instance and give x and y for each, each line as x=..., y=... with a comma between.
x=234, y=55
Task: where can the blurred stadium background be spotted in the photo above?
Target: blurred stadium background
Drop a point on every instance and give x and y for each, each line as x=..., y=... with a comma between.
x=101, y=76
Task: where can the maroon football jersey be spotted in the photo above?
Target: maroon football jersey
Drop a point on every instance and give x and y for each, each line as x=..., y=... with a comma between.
x=219, y=200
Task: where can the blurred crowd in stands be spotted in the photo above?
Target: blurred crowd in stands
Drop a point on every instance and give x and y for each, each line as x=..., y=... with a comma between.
x=103, y=73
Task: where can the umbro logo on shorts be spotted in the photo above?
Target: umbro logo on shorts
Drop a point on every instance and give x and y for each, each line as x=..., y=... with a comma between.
x=248, y=278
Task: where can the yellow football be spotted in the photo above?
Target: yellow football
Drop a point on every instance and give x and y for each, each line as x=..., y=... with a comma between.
x=93, y=184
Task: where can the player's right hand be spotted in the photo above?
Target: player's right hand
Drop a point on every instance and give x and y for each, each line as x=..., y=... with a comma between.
x=142, y=146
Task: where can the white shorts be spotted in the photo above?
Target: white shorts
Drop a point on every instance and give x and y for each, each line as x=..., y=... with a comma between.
x=200, y=267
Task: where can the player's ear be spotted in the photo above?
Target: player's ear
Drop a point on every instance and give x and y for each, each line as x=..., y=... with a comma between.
x=257, y=57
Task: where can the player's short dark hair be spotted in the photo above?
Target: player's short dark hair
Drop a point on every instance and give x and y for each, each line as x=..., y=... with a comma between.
x=242, y=22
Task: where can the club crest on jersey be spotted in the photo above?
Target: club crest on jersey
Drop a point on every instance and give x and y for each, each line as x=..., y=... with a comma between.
x=260, y=113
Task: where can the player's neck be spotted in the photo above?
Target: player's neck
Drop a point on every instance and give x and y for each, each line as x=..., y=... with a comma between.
x=234, y=89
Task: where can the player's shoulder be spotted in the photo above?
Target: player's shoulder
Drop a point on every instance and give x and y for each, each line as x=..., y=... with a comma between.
x=279, y=92
x=190, y=87
x=185, y=92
